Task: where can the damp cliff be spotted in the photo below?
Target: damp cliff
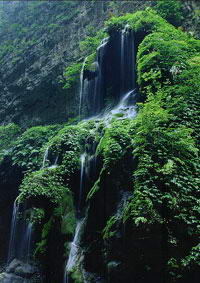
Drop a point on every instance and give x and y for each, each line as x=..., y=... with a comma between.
x=111, y=195
x=38, y=40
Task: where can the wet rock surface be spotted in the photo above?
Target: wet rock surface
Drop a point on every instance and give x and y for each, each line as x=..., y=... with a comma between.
x=18, y=271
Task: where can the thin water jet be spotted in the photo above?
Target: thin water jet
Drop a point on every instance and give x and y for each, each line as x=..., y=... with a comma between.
x=45, y=158
x=74, y=250
x=81, y=86
x=83, y=160
x=12, y=242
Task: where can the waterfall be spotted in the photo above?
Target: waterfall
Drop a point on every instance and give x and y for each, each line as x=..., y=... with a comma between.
x=45, y=158
x=83, y=160
x=12, y=242
x=128, y=109
x=114, y=76
x=25, y=250
x=74, y=249
x=99, y=80
x=82, y=86
x=20, y=236
x=55, y=164
x=122, y=58
x=127, y=64
x=91, y=85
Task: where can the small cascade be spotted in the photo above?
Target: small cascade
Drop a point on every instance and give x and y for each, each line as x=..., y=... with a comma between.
x=20, y=236
x=83, y=161
x=12, y=242
x=125, y=106
x=55, y=164
x=92, y=84
x=75, y=249
x=99, y=80
x=82, y=86
x=46, y=162
x=113, y=73
x=112, y=76
x=122, y=58
x=127, y=64
x=25, y=250
x=45, y=158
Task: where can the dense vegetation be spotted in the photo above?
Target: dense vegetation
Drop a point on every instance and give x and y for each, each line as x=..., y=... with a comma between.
x=154, y=158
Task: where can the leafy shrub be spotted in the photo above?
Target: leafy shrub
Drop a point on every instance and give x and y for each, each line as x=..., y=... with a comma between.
x=90, y=43
x=44, y=184
x=172, y=11
x=8, y=135
x=27, y=150
x=72, y=74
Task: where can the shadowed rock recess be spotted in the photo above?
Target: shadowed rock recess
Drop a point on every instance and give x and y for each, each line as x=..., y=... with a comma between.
x=99, y=141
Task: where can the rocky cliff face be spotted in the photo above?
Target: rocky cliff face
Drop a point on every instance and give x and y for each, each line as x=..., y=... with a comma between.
x=38, y=40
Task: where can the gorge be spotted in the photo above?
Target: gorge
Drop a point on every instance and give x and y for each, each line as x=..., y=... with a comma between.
x=99, y=159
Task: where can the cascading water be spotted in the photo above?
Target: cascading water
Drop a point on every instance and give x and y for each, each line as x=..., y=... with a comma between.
x=125, y=107
x=25, y=250
x=122, y=58
x=81, y=86
x=55, y=164
x=99, y=80
x=83, y=161
x=12, y=242
x=75, y=249
x=46, y=162
x=92, y=84
x=127, y=66
x=45, y=158
x=20, y=236
x=113, y=75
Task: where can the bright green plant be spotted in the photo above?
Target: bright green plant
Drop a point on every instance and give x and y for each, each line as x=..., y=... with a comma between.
x=172, y=11
x=8, y=135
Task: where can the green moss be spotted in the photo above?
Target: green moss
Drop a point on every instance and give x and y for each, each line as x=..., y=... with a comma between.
x=76, y=275
x=115, y=142
x=41, y=247
x=66, y=212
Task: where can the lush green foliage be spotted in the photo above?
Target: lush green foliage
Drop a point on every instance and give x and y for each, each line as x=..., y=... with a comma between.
x=172, y=11
x=115, y=143
x=41, y=185
x=8, y=135
x=154, y=157
x=27, y=151
x=72, y=74
x=142, y=23
x=165, y=139
x=88, y=48
x=90, y=43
